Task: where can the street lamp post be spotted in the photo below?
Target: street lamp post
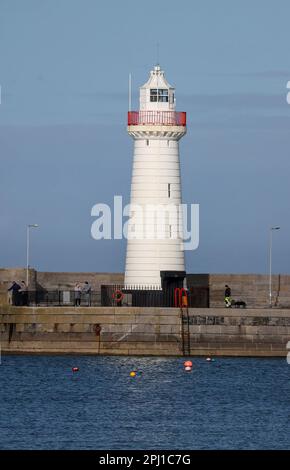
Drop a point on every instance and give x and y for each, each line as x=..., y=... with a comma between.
x=27, y=250
x=270, y=264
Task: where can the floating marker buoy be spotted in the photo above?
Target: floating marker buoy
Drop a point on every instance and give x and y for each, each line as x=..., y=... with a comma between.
x=188, y=368
x=75, y=369
x=209, y=359
x=132, y=373
x=187, y=364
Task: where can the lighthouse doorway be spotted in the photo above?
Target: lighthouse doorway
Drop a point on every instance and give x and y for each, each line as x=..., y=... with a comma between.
x=172, y=279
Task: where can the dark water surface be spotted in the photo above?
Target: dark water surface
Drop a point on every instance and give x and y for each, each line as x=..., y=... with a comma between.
x=231, y=403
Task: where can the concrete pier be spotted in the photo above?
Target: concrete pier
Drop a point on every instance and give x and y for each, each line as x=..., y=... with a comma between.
x=144, y=331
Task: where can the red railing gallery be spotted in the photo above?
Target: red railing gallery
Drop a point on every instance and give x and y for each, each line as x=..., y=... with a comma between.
x=156, y=118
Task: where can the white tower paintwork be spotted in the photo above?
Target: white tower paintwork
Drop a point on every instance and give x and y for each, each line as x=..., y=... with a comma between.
x=156, y=129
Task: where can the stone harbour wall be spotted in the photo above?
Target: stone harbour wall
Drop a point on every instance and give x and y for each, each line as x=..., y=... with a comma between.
x=56, y=280
x=144, y=331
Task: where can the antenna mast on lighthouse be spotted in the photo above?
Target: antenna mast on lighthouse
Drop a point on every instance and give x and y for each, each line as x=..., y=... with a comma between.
x=130, y=92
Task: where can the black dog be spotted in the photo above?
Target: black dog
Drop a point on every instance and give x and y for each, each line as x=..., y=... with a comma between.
x=239, y=303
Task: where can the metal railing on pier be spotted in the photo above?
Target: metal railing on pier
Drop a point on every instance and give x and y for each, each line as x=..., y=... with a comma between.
x=114, y=296
x=56, y=298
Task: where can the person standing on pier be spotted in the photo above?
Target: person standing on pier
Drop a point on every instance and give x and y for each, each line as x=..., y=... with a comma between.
x=78, y=291
x=23, y=291
x=13, y=293
x=87, y=291
x=228, y=293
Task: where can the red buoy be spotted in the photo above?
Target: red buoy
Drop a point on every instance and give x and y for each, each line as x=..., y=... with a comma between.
x=75, y=369
x=187, y=364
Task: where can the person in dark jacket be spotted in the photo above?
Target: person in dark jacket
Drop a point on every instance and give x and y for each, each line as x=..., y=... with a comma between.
x=23, y=294
x=87, y=291
x=228, y=293
x=14, y=289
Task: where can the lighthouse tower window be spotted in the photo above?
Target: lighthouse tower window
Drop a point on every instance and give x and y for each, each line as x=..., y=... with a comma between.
x=159, y=94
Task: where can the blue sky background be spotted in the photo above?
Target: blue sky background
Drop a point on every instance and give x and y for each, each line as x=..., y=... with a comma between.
x=64, y=68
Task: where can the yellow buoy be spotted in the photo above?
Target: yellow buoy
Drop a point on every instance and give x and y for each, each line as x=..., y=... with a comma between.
x=132, y=373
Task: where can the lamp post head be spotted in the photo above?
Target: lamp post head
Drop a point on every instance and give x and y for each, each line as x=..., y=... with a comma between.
x=275, y=228
x=33, y=225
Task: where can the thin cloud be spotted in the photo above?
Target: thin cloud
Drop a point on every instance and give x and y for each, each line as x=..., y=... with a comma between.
x=259, y=74
x=245, y=123
x=236, y=101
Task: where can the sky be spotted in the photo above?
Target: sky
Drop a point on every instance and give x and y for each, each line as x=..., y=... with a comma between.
x=64, y=67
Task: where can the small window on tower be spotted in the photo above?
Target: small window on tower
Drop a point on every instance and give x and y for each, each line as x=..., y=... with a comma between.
x=163, y=96
x=159, y=94
x=169, y=189
x=153, y=95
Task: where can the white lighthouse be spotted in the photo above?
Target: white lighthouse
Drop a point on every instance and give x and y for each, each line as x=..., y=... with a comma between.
x=155, y=260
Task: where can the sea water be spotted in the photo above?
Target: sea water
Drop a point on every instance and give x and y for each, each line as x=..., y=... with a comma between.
x=230, y=403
